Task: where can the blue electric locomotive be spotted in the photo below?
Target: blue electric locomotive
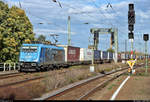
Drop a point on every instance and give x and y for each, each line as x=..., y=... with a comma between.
x=37, y=57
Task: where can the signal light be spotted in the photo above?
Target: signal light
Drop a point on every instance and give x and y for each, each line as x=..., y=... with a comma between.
x=131, y=7
x=131, y=35
x=145, y=37
x=131, y=17
x=131, y=27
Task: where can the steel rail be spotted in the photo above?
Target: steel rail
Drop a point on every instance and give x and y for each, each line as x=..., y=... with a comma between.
x=101, y=85
x=8, y=74
x=71, y=86
x=25, y=80
x=11, y=75
x=20, y=82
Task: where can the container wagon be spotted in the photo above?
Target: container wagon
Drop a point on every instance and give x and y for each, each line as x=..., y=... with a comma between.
x=72, y=54
x=124, y=56
x=86, y=55
x=97, y=57
x=110, y=56
x=104, y=56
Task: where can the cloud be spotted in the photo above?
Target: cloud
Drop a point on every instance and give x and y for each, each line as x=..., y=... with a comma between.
x=82, y=11
x=85, y=9
x=51, y=31
x=143, y=15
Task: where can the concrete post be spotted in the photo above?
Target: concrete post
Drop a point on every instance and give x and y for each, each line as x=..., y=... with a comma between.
x=9, y=66
x=4, y=67
x=69, y=32
x=116, y=44
x=14, y=66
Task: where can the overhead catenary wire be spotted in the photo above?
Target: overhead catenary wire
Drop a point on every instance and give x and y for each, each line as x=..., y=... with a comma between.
x=105, y=16
x=69, y=7
x=21, y=6
x=86, y=13
x=101, y=11
x=117, y=22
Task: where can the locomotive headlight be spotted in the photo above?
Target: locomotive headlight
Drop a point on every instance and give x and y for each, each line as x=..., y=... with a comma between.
x=33, y=64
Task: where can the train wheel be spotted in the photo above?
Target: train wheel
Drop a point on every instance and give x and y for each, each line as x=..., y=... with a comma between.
x=20, y=70
x=47, y=68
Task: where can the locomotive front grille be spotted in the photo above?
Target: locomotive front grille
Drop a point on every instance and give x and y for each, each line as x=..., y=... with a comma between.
x=27, y=65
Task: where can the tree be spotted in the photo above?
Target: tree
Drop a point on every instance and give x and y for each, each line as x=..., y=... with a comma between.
x=41, y=38
x=110, y=50
x=15, y=29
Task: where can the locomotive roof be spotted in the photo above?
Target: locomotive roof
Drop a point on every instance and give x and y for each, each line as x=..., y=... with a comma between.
x=42, y=45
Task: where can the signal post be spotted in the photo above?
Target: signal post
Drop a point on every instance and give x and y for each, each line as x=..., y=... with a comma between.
x=146, y=38
x=131, y=22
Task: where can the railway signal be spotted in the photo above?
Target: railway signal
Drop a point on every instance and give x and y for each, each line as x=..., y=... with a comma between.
x=131, y=15
x=131, y=64
x=146, y=38
x=131, y=22
x=131, y=27
x=131, y=35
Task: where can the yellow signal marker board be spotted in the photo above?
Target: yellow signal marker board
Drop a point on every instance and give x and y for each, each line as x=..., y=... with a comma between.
x=131, y=63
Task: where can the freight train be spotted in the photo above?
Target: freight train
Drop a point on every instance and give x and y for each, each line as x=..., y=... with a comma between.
x=41, y=57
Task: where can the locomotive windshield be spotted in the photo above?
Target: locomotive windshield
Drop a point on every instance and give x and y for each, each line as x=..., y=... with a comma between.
x=29, y=49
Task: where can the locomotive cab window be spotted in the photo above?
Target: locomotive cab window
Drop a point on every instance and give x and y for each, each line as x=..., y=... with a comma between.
x=33, y=49
x=29, y=49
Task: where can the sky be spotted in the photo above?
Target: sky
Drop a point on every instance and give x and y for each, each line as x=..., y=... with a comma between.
x=95, y=13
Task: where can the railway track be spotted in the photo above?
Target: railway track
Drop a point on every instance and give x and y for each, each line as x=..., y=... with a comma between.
x=84, y=82
x=24, y=80
x=10, y=75
x=21, y=82
x=83, y=89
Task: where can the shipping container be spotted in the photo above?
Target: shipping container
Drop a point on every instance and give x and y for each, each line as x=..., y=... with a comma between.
x=85, y=54
x=110, y=55
x=119, y=57
x=72, y=53
x=123, y=56
x=127, y=56
x=104, y=55
x=97, y=55
x=133, y=56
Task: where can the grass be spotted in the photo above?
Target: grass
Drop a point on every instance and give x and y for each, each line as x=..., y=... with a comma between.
x=36, y=90
x=118, y=79
x=73, y=74
x=111, y=86
x=141, y=74
x=37, y=74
